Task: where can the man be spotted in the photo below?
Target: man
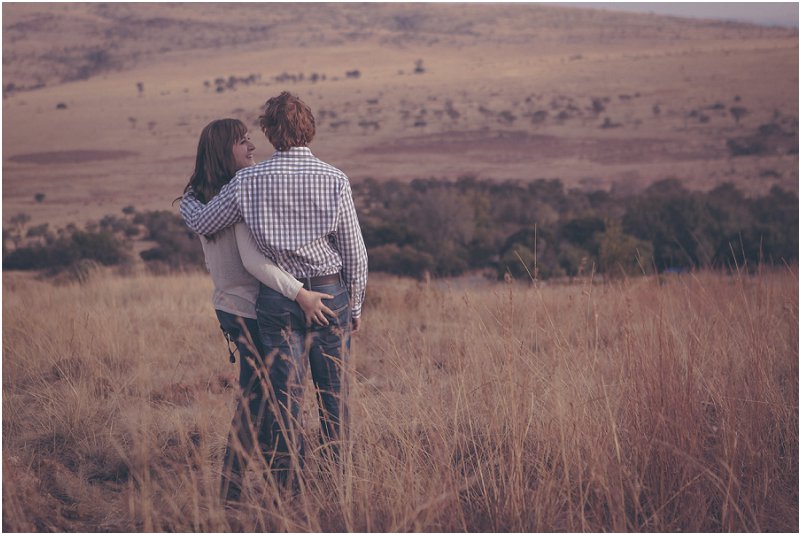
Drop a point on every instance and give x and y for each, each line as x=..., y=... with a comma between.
x=300, y=211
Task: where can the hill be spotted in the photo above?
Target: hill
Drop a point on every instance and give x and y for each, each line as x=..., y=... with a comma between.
x=103, y=103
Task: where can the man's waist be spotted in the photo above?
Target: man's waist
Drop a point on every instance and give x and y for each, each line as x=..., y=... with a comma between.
x=305, y=266
x=310, y=283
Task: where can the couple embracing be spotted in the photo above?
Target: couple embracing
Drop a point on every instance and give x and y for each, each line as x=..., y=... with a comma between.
x=284, y=248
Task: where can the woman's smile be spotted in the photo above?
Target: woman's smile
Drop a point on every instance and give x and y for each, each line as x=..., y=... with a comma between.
x=244, y=153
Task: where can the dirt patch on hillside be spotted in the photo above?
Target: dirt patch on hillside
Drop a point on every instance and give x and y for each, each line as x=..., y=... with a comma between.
x=71, y=156
x=524, y=146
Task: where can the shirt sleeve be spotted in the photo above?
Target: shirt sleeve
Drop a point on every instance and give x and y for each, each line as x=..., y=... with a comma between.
x=354, y=253
x=220, y=212
x=262, y=267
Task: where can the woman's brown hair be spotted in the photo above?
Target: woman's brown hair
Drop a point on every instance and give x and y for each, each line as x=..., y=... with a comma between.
x=215, y=165
x=287, y=122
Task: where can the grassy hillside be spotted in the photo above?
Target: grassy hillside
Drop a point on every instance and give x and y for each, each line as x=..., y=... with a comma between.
x=50, y=44
x=103, y=102
x=653, y=404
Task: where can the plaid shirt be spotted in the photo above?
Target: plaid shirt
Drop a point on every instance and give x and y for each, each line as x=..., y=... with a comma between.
x=301, y=213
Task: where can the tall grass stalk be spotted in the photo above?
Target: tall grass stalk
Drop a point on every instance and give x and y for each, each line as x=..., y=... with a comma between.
x=647, y=404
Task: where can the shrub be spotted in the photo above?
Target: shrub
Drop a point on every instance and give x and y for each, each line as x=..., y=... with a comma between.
x=379, y=233
x=38, y=231
x=177, y=246
x=403, y=260
x=20, y=220
x=539, y=116
x=738, y=112
x=582, y=231
x=116, y=224
x=538, y=249
x=101, y=247
x=519, y=261
x=473, y=224
x=675, y=221
x=574, y=260
x=608, y=123
x=745, y=146
x=506, y=117
x=620, y=254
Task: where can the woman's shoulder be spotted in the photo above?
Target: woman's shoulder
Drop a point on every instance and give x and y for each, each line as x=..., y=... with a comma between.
x=220, y=238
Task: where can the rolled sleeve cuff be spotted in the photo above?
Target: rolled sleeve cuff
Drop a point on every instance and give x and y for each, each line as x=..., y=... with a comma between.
x=356, y=309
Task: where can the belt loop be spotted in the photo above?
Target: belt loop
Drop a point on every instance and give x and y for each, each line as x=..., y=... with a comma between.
x=309, y=284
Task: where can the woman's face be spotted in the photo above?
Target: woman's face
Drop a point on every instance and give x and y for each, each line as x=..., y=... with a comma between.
x=243, y=152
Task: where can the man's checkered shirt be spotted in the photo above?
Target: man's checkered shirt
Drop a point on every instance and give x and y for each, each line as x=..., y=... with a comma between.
x=301, y=213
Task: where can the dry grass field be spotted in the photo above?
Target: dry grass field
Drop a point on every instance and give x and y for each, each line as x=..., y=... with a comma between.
x=650, y=404
x=103, y=102
x=658, y=403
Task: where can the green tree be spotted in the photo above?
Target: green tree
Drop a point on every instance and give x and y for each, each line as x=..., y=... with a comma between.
x=621, y=254
x=675, y=221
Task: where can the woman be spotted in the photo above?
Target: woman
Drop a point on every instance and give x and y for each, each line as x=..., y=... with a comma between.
x=237, y=267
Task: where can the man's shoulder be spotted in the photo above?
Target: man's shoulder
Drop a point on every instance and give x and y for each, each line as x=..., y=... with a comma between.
x=307, y=164
x=317, y=166
x=252, y=170
x=328, y=169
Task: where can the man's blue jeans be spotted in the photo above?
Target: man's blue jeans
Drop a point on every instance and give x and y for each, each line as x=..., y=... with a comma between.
x=288, y=345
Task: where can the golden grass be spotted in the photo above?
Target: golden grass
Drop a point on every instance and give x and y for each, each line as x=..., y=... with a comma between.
x=654, y=404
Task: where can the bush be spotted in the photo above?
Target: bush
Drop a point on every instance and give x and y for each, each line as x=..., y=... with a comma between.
x=745, y=146
x=65, y=252
x=518, y=261
x=102, y=247
x=404, y=260
x=116, y=224
x=574, y=260
x=473, y=224
x=675, y=221
x=621, y=254
x=177, y=246
x=738, y=112
x=38, y=231
x=582, y=231
x=531, y=250
x=691, y=229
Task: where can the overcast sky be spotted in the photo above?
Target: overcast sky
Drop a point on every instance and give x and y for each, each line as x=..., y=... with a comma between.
x=768, y=13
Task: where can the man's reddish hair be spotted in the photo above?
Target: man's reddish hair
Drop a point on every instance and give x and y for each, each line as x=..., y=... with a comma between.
x=287, y=122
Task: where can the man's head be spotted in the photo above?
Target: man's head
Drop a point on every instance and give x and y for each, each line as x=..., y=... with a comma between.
x=287, y=122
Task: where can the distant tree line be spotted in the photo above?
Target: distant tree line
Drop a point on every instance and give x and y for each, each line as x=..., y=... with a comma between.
x=540, y=229
x=171, y=245
x=534, y=229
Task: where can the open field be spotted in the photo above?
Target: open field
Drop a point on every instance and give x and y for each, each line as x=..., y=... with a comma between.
x=103, y=103
x=653, y=404
x=657, y=403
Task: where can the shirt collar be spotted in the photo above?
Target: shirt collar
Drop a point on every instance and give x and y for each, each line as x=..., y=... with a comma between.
x=293, y=152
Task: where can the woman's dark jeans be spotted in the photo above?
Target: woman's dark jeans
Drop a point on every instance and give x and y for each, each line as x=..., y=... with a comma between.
x=250, y=426
x=288, y=343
